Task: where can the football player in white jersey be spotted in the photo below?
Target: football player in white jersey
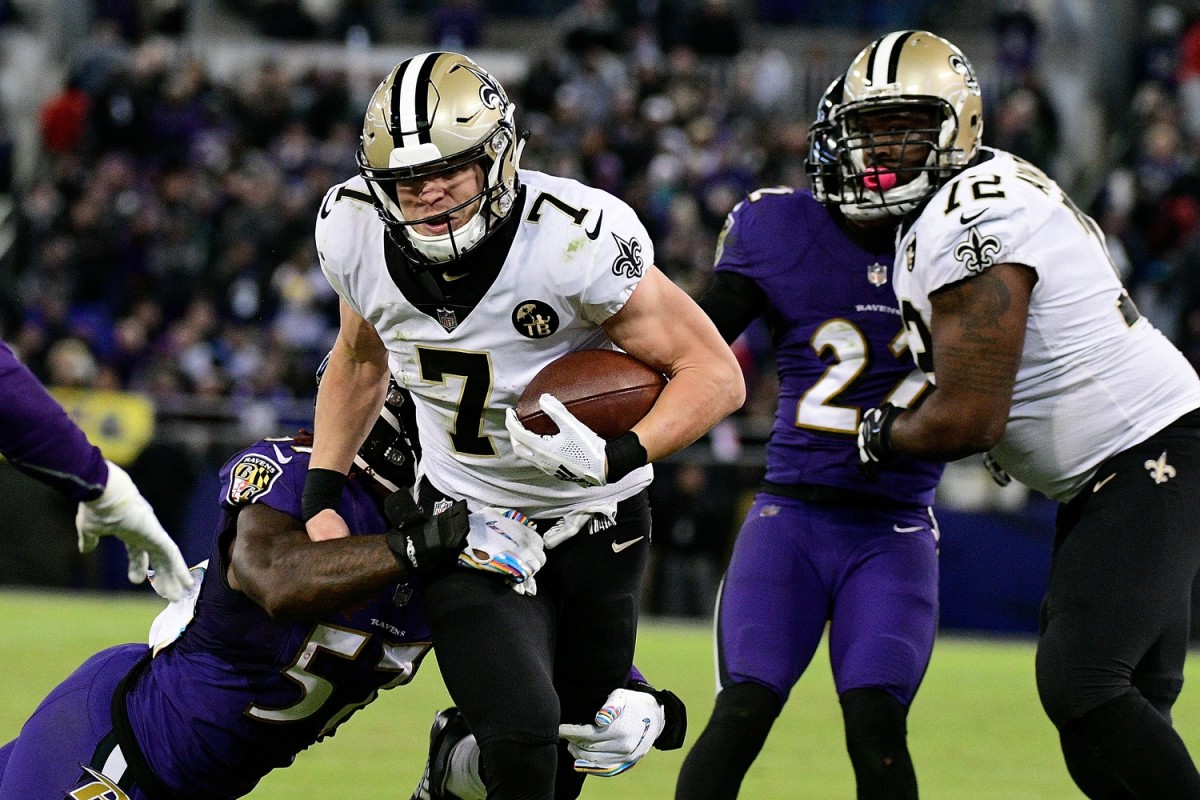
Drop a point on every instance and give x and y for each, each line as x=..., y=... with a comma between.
x=1014, y=310
x=463, y=275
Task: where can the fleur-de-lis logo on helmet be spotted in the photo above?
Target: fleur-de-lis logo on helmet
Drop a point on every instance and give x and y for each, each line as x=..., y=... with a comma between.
x=977, y=252
x=491, y=93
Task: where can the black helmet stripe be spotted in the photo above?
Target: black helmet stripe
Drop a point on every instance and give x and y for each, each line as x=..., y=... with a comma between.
x=884, y=61
x=410, y=101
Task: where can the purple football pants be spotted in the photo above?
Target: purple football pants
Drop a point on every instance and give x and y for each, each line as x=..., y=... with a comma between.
x=69, y=734
x=871, y=574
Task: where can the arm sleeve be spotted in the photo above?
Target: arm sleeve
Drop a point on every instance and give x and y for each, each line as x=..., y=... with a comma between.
x=732, y=301
x=38, y=437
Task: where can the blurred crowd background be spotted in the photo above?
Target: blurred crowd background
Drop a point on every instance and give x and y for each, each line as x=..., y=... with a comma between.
x=162, y=161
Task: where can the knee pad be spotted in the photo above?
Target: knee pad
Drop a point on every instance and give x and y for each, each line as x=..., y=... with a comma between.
x=749, y=707
x=876, y=727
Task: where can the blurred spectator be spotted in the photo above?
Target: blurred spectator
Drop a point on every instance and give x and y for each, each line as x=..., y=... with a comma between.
x=99, y=57
x=1157, y=58
x=692, y=521
x=70, y=364
x=63, y=118
x=456, y=25
x=285, y=19
x=587, y=25
x=716, y=31
x=1026, y=124
x=1188, y=77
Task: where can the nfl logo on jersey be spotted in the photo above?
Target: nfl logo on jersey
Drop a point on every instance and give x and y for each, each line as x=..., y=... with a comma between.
x=447, y=318
x=877, y=274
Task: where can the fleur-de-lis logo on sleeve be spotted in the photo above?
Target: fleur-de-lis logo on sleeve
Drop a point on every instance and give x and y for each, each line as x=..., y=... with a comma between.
x=977, y=252
x=1160, y=470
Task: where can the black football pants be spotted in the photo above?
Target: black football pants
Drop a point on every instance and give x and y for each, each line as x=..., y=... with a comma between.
x=1115, y=620
x=519, y=666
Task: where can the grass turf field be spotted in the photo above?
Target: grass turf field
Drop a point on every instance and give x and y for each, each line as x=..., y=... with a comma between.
x=976, y=729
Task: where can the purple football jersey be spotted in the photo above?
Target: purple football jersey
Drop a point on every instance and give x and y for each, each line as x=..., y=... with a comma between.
x=38, y=437
x=834, y=342
x=241, y=693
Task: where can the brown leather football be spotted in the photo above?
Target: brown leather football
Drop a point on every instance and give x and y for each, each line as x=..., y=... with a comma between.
x=607, y=390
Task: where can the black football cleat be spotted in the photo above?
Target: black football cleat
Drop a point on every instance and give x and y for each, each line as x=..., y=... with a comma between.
x=448, y=729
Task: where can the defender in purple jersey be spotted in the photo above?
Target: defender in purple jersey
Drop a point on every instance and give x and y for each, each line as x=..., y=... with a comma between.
x=821, y=544
x=39, y=439
x=279, y=643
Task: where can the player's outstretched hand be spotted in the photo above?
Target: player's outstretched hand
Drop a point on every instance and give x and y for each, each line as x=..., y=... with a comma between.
x=573, y=454
x=504, y=541
x=625, y=729
x=121, y=511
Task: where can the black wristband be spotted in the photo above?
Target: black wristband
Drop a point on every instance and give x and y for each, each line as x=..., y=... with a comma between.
x=674, y=715
x=322, y=490
x=624, y=454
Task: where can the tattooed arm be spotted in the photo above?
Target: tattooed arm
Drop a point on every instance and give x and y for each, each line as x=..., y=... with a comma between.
x=978, y=332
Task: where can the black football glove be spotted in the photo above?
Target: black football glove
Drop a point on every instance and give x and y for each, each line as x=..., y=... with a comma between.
x=998, y=473
x=875, y=438
x=421, y=542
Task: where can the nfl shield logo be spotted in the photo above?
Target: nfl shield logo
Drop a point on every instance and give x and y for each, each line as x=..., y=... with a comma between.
x=877, y=274
x=447, y=318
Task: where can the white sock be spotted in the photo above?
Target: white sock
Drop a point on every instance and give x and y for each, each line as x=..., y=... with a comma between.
x=463, y=779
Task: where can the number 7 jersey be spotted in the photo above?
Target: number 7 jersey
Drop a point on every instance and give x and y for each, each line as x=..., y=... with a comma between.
x=575, y=257
x=1095, y=376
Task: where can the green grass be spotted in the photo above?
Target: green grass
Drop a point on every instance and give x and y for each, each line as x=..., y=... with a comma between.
x=976, y=730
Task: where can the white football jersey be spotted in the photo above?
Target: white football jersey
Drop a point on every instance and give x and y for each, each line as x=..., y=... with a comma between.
x=1095, y=377
x=576, y=258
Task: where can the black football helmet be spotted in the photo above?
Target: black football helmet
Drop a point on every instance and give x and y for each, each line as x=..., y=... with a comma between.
x=822, y=162
x=391, y=450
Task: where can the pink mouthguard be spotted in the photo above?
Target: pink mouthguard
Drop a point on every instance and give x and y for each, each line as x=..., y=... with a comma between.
x=878, y=179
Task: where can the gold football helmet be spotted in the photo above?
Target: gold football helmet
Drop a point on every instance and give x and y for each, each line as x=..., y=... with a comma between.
x=433, y=113
x=909, y=75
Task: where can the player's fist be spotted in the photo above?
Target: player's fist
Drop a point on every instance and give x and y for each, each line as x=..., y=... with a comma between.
x=874, y=437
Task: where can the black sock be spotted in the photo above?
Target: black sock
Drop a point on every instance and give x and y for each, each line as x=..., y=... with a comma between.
x=735, y=733
x=877, y=741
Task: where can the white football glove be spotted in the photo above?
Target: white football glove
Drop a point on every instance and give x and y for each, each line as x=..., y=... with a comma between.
x=573, y=454
x=625, y=730
x=504, y=541
x=121, y=511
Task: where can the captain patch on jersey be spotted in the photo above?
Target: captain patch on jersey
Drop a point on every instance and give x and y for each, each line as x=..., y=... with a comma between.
x=252, y=477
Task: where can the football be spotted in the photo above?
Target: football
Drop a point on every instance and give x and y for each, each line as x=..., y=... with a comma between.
x=607, y=390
